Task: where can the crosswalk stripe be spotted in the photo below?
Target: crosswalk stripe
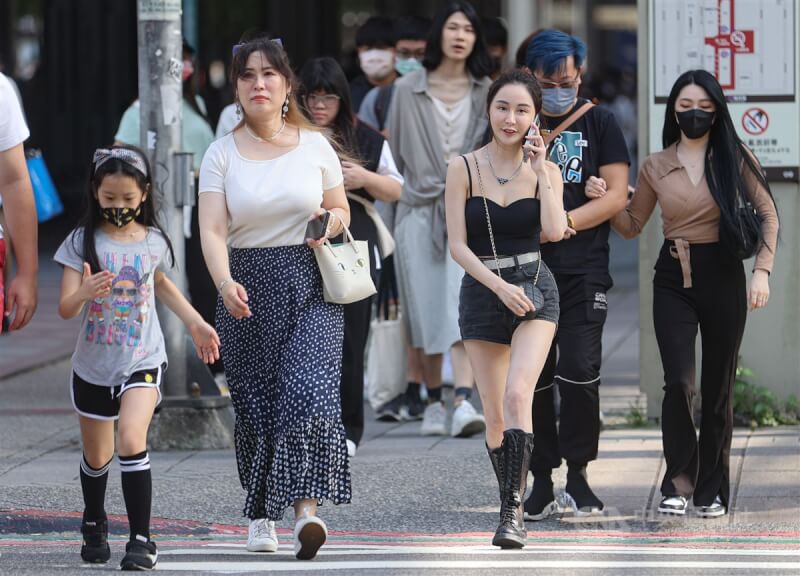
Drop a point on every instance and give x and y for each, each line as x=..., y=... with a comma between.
x=530, y=549
x=384, y=565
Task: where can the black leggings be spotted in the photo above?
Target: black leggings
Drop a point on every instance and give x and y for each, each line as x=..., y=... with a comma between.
x=717, y=304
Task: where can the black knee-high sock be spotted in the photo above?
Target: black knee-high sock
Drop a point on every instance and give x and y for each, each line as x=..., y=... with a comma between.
x=138, y=492
x=93, y=484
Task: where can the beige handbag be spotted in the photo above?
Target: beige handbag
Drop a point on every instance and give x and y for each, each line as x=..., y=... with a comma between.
x=345, y=270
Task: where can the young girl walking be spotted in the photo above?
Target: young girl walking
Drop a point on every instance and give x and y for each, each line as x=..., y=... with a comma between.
x=113, y=269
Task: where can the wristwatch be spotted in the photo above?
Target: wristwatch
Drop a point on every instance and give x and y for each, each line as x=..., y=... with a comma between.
x=570, y=221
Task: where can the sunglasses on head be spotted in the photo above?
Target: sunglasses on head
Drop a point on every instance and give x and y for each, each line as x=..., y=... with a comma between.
x=240, y=45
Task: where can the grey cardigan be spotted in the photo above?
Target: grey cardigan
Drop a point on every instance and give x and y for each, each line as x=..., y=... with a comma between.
x=417, y=146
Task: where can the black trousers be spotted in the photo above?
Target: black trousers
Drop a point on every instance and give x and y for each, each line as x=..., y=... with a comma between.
x=717, y=304
x=578, y=349
x=357, y=318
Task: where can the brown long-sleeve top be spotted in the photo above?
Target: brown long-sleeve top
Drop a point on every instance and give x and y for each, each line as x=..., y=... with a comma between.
x=689, y=211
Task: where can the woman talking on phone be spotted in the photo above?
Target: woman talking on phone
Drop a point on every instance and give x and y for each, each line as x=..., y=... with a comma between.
x=500, y=199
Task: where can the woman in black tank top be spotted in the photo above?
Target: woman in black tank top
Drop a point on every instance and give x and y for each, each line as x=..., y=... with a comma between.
x=502, y=200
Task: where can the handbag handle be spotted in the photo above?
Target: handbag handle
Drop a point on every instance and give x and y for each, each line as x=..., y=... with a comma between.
x=489, y=226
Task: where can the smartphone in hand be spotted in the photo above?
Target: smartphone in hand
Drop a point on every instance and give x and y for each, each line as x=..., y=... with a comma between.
x=316, y=227
x=532, y=131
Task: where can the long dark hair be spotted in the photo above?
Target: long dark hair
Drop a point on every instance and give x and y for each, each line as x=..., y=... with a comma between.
x=92, y=218
x=326, y=74
x=725, y=152
x=478, y=62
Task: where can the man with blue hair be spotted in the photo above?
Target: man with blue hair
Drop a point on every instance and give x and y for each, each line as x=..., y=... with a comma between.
x=584, y=141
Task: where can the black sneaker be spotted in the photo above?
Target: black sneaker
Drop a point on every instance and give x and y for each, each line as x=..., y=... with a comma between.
x=390, y=412
x=139, y=555
x=541, y=504
x=713, y=510
x=95, y=542
x=414, y=407
x=578, y=494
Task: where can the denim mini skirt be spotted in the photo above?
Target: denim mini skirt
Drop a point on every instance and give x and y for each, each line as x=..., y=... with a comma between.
x=483, y=316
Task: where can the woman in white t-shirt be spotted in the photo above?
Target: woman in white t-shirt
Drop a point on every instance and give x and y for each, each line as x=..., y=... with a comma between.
x=260, y=186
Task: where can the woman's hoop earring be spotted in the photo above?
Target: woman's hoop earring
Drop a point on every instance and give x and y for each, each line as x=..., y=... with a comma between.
x=285, y=109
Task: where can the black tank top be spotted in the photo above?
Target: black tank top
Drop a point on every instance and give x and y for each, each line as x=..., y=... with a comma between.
x=516, y=227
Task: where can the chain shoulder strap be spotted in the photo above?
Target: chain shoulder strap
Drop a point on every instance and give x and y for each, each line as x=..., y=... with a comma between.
x=488, y=220
x=489, y=225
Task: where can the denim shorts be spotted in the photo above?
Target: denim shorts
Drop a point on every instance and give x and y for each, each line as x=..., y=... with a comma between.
x=483, y=316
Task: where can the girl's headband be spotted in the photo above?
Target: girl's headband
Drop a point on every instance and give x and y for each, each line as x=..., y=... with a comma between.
x=134, y=159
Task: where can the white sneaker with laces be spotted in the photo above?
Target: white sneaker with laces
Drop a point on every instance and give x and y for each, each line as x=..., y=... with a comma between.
x=434, y=420
x=715, y=509
x=310, y=534
x=466, y=421
x=674, y=505
x=351, y=448
x=261, y=536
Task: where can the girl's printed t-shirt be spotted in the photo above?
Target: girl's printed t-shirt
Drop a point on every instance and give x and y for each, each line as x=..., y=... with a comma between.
x=120, y=333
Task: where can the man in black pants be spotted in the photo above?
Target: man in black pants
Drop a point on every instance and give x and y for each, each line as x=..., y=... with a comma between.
x=589, y=144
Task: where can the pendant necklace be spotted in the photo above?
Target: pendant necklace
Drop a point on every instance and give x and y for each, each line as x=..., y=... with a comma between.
x=500, y=180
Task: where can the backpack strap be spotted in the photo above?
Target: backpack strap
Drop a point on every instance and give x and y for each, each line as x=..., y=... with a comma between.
x=469, y=175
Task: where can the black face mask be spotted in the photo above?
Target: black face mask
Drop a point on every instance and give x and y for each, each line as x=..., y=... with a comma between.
x=695, y=123
x=121, y=217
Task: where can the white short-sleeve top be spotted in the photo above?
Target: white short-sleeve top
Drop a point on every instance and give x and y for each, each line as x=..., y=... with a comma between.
x=270, y=201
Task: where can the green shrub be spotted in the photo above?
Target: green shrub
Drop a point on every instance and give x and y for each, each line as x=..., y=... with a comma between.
x=758, y=406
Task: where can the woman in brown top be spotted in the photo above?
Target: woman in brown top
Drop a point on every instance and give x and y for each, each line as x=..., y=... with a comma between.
x=700, y=281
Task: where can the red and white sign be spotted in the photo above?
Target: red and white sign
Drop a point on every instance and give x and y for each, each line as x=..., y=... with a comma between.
x=728, y=43
x=755, y=121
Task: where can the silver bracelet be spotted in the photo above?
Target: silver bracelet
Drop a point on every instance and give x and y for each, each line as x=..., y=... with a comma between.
x=223, y=283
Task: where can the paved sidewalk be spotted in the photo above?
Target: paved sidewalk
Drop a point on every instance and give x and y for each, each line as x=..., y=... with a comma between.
x=429, y=500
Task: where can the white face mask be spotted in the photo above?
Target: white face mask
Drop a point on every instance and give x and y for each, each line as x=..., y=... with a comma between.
x=377, y=64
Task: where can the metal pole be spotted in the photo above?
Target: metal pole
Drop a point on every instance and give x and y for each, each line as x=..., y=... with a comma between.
x=160, y=99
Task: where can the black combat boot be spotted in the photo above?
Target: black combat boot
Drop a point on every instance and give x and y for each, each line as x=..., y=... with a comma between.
x=517, y=446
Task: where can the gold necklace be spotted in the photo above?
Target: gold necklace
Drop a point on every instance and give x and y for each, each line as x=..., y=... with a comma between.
x=258, y=138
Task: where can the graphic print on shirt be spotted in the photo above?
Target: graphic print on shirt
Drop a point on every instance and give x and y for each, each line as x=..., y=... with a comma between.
x=567, y=152
x=118, y=319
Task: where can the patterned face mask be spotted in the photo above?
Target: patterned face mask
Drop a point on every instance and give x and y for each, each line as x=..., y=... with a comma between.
x=121, y=217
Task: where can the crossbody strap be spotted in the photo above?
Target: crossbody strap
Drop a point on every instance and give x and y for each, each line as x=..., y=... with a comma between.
x=571, y=119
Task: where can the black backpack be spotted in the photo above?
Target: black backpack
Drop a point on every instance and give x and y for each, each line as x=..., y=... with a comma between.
x=382, y=102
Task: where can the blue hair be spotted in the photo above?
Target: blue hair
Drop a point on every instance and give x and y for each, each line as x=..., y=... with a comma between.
x=548, y=50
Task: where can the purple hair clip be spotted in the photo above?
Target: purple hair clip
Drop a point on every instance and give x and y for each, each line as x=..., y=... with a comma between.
x=236, y=47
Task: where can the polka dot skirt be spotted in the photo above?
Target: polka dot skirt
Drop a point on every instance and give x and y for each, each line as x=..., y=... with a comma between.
x=283, y=366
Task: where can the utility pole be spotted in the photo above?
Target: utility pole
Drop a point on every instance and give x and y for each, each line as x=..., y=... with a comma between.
x=186, y=422
x=160, y=101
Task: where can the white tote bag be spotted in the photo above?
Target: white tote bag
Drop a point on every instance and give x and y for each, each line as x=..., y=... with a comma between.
x=345, y=270
x=386, y=361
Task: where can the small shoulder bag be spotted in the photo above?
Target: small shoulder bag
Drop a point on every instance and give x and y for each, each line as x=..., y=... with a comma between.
x=532, y=291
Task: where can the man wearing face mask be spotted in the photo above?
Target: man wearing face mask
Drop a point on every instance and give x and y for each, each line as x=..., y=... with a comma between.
x=410, y=35
x=375, y=45
x=583, y=141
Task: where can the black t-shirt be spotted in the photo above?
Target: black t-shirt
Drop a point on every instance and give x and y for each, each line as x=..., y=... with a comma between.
x=594, y=140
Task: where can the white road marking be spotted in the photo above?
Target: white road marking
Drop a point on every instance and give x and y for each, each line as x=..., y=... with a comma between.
x=383, y=565
x=530, y=549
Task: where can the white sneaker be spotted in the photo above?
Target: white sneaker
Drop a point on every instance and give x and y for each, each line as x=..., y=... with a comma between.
x=310, y=534
x=351, y=448
x=466, y=421
x=434, y=420
x=261, y=536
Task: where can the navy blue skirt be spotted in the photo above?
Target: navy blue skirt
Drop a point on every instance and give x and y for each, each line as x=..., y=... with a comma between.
x=283, y=366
